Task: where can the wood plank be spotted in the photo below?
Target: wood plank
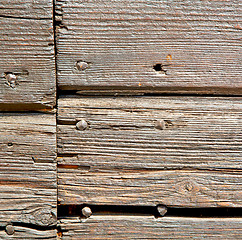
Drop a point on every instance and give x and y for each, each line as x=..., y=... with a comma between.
x=28, y=169
x=28, y=233
x=140, y=227
x=115, y=44
x=37, y=9
x=121, y=158
x=174, y=188
x=201, y=133
x=27, y=62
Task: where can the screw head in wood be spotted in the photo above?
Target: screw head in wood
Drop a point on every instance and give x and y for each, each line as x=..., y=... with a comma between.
x=81, y=125
x=160, y=124
x=9, y=229
x=87, y=212
x=162, y=210
x=81, y=66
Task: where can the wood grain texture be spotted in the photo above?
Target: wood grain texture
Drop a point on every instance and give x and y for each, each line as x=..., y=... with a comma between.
x=37, y=9
x=196, y=42
x=27, y=52
x=123, y=159
x=28, y=169
x=140, y=227
x=28, y=233
x=174, y=188
x=203, y=133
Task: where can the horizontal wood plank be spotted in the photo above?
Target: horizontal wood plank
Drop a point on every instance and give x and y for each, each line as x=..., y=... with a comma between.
x=177, y=188
x=28, y=169
x=140, y=227
x=123, y=158
x=27, y=61
x=203, y=133
x=194, y=46
x=37, y=9
x=28, y=233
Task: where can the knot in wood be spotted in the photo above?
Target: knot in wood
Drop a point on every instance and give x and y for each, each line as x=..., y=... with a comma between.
x=82, y=125
x=189, y=186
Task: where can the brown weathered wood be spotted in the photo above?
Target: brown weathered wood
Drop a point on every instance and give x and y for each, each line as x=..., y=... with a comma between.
x=196, y=42
x=28, y=233
x=127, y=155
x=177, y=188
x=28, y=169
x=37, y=9
x=27, y=53
x=140, y=227
x=125, y=132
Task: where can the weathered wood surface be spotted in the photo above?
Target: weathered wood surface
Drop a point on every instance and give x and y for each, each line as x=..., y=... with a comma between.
x=121, y=158
x=140, y=227
x=177, y=188
x=28, y=233
x=27, y=53
x=122, y=132
x=37, y=9
x=196, y=42
x=28, y=169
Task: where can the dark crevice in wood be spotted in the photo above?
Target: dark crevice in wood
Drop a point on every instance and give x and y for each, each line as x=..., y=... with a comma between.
x=72, y=166
x=55, y=24
x=23, y=18
x=113, y=92
x=66, y=154
x=76, y=211
x=32, y=226
x=143, y=169
x=151, y=91
x=25, y=107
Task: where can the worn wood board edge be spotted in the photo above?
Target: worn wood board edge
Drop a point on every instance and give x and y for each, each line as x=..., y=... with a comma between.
x=140, y=227
x=174, y=188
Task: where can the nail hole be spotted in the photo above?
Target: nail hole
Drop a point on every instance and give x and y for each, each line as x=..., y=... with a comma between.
x=159, y=68
x=10, y=144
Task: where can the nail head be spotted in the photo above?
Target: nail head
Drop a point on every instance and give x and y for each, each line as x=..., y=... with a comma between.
x=81, y=66
x=82, y=125
x=9, y=229
x=160, y=124
x=87, y=212
x=162, y=210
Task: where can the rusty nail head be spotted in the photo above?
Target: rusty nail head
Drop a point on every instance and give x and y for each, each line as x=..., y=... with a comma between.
x=160, y=124
x=87, y=212
x=82, y=125
x=81, y=66
x=162, y=210
x=9, y=229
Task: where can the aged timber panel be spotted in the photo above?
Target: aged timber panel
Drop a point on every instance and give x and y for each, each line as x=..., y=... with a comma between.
x=37, y=9
x=28, y=169
x=127, y=131
x=140, y=227
x=194, y=46
x=150, y=150
x=27, y=64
